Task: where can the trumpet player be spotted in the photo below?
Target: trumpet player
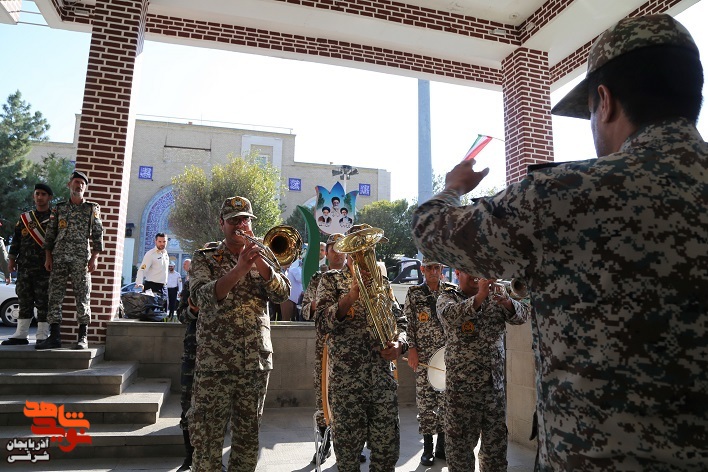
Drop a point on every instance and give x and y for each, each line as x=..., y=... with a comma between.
x=231, y=284
x=362, y=386
x=473, y=316
x=425, y=337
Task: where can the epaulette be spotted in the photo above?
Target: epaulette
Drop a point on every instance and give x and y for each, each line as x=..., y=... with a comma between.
x=209, y=246
x=450, y=288
x=61, y=203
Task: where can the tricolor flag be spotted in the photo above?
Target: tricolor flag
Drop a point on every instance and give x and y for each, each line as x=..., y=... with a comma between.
x=477, y=146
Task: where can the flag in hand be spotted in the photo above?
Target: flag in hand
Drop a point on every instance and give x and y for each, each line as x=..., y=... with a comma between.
x=477, y=146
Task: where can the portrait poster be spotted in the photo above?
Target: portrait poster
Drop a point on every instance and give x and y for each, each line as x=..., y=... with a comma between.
x=335, y=210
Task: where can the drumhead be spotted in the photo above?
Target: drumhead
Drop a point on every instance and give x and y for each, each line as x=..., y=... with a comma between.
x=437, y=377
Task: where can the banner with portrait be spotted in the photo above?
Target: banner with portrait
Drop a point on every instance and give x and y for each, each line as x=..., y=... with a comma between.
x=335, y=210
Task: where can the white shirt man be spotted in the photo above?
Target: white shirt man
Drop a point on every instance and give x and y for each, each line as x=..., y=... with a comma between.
x=152, y=273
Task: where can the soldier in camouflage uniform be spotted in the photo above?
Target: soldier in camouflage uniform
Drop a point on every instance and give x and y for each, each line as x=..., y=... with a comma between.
x=425, y=338
x=309, y=304
x=474, y=318
x=614, y=253
x=27, y=257
x=362, y=387
x=231, y=285
x=71, y=225
x=4, y=261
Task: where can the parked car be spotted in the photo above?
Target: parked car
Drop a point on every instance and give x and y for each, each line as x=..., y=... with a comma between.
x=129, y=288
x=9, y=305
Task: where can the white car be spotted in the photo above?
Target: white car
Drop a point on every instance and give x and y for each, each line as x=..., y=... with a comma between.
x=9, y=305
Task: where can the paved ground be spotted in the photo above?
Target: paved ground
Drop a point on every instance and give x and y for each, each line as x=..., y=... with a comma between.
x=287, y=445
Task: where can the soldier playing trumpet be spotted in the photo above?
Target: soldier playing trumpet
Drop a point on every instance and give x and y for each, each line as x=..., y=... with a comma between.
x=362, y=386
x=473, y=317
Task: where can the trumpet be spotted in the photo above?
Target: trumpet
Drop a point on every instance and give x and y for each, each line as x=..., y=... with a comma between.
x=515, y=288
x=281, y=245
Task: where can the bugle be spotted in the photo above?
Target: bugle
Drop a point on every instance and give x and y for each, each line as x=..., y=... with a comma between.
x=515, y=288
x=281, y=245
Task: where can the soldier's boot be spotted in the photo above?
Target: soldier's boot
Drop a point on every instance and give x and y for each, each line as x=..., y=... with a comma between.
x=440, y=447
x=427, y=458
x=42, y=331
x=187, y=464
x=54, y=339
x=82, y=341
x=21, y=332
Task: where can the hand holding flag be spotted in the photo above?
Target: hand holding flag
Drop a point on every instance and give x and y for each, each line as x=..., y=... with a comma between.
x=477, y=147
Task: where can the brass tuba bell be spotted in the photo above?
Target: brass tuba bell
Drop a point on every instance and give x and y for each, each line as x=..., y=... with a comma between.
x=360, y=246
x=281, y=245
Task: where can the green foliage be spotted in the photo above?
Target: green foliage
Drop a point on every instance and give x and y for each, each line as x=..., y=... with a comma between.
x=19, y=128
x=395, y=219
x=55, y=171
x=439, y=185
x=297, y=221
x=198, y=199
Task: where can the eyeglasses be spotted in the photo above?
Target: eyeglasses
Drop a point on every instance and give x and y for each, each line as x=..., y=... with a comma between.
x=238, y=220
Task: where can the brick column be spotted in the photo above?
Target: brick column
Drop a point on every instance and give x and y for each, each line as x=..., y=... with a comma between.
x=528, y=131
x=105, y=144
x=529, y=140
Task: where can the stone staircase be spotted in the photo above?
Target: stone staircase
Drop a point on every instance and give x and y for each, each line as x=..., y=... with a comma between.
x=128, y=415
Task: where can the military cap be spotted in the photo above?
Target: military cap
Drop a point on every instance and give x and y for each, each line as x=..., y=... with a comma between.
x=236, y=206
x=629, y=34
x=45, y=187
x=79, y=175
x=428, y=261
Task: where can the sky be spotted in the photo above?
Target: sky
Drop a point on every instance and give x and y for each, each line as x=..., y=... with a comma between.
x=340, y=115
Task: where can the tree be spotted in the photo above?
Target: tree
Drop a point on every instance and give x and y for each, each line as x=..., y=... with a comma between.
x=55, y=171
x=297, y=221
x=19, y=128
x=395, y=219
x=198, y=198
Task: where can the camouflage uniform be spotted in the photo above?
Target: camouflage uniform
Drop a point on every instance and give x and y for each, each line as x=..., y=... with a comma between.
x=189, y=355
x=234, y=359
x=32, y=278
x=475, y=400
x=425, y=333
x=307, y=314
x=3, y=258
x=70, y=228
x=362, y=386
x=614, y=253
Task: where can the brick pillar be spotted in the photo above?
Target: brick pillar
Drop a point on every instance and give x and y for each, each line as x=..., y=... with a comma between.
x=105, y=144
x=528, y=131
x=529, y=140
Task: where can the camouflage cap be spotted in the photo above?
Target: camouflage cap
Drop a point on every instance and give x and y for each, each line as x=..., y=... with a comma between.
x=334, y=237
x=626, y=36
x=428, y=261
x=79, y=175
x=236, y=206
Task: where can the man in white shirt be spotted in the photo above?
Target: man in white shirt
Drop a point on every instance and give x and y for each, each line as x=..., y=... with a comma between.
x=152, y=274
x=174, y=286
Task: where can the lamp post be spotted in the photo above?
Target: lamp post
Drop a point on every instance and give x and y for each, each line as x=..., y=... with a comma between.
x=345, y=173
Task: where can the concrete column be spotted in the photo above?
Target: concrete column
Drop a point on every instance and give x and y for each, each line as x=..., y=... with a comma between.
x=425, y=160
x=105, y=141
x=528, y=140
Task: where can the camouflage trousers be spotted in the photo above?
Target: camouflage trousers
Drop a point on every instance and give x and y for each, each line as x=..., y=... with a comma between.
x=430, y=403
x=317, y=374
x=216, y=398
x=469, y=414
x=81, y=283
x=186, y=377
x=365, y=415
x=33, y=291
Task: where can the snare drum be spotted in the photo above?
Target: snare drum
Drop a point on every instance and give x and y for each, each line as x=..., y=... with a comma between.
x=436, y=375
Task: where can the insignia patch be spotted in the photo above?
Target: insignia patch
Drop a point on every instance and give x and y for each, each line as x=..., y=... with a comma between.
x=25, y=232
x=467, y=327
x=219, y=255
x=351, y=313
x=62, y=224
x=143, y=267
x=96, y=212
x=423, y=317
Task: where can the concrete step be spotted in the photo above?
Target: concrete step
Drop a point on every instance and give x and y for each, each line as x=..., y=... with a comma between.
x=103, y=378
x=162, y=438
x=27, y=357
x=139, y=403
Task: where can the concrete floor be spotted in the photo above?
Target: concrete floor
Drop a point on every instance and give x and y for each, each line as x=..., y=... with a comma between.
x=287, y=445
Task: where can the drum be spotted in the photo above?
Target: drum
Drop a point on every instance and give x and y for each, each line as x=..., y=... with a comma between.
x=436, y=370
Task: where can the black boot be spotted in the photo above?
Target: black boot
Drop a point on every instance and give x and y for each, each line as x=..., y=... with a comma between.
x=427, y=458
x=190, y=450
x=82, y=342
x=54, y=339
x=440, y=447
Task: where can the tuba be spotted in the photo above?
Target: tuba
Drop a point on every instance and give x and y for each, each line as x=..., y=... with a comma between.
x=360, y=246
x=281, y=246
